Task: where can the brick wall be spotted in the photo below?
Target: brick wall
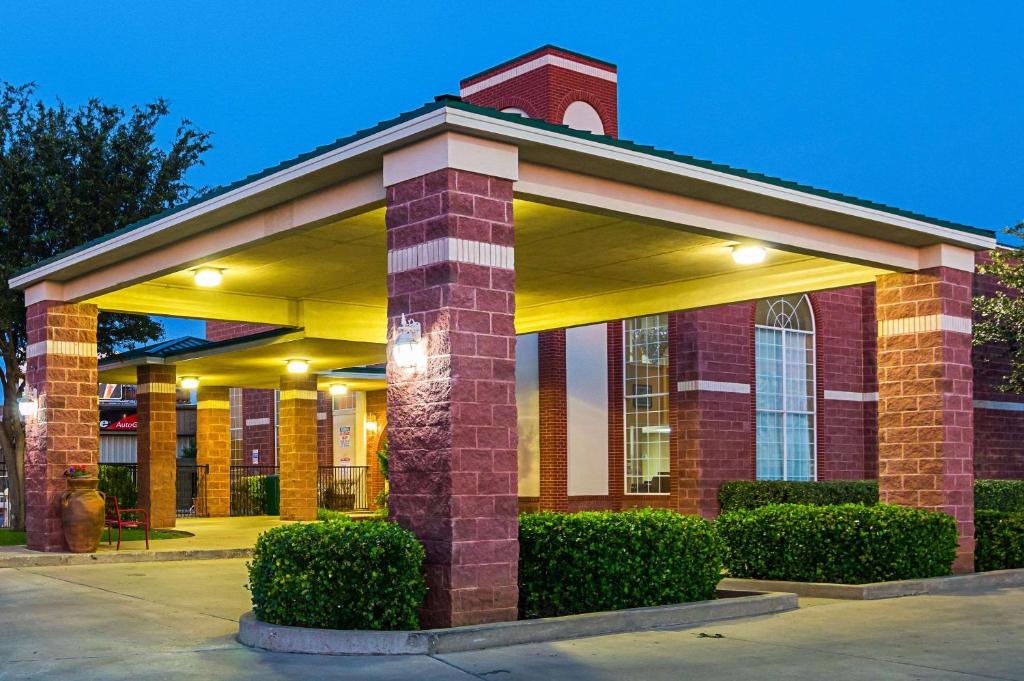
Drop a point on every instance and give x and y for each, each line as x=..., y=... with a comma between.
x=376, y=408
x=553, y=421
x=324, y=429
x=998, y=428
x=259, y=419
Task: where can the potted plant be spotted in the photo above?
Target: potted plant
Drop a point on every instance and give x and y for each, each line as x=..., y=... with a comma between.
x=82, y=509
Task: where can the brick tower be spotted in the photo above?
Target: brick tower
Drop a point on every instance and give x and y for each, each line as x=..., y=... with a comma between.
x=552, y=84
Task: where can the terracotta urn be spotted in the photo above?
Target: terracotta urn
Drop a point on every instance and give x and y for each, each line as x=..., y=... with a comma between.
x=82, y=512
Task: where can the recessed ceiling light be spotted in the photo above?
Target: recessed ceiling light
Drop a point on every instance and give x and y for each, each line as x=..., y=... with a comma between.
x=748, y=255
x=208, y=277
x=298, y=366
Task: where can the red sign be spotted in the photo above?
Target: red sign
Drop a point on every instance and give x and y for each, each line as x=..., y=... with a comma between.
x=127, y=423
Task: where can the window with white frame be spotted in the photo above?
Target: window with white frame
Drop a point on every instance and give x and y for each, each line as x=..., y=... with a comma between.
x=645, y=375
x=784, y=348
x=236, y=425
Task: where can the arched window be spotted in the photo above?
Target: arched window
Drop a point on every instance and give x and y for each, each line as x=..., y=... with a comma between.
x=784, y=344
x=582, y=116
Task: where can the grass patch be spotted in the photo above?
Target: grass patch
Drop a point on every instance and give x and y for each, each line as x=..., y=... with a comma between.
x=17, y=537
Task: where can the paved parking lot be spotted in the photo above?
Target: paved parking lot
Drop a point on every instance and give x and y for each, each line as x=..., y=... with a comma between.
x=178, y=621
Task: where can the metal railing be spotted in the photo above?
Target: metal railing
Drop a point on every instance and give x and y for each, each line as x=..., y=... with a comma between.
x=255, y=490
x=122, y=481
x=341, y=488
x=5, y=497
x=190, y=490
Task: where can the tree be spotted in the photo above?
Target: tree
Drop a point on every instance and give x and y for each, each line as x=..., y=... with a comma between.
x=999, y=317
x=67, y=176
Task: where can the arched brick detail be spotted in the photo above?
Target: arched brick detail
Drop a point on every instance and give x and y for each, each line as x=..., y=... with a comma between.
x=604, y=109
x=519, y=103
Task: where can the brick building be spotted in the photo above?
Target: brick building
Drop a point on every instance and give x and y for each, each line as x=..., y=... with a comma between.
x=568, y=320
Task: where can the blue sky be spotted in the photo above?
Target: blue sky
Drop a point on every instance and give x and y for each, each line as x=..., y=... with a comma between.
x=915, y=104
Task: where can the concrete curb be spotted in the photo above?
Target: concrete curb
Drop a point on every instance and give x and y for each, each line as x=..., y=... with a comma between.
x=732, y=604
x=955, y=584
x=31, y=559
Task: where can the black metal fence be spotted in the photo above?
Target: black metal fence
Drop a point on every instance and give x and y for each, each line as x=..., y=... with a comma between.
x=255, y=490
x=5, y=497
x=190, y=490
x=341, y=488
x=122, y=481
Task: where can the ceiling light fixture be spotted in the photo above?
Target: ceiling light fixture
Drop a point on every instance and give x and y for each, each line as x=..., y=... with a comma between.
x=339, y=389
x=748, y=255
x=208, y=277
x=298, y=366
x=189, y=382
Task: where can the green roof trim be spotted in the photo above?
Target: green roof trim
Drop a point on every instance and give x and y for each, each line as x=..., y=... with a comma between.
x=186, y=345
x=454, y=102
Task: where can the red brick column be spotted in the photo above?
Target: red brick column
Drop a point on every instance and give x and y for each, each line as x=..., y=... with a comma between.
x=452, y=419
x=213, y=447
x=377, y=408
x=554, y=425
x=324, y=429
x=711, y=357
x=297, y=445
x=925, y=405
x=61, y=370
x=157, y=443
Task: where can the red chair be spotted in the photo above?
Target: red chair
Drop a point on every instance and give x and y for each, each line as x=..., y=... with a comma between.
x=116, y=518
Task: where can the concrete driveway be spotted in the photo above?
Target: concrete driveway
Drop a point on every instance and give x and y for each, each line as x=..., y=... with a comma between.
x=178, y=621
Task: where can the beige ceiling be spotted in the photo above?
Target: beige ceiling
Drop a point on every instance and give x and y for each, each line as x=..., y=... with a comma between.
x=572, y=267
x=261, y=365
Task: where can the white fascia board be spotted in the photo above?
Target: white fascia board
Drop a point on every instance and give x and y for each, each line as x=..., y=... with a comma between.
x=363, y=145
x=509, y=130
x=469, y=119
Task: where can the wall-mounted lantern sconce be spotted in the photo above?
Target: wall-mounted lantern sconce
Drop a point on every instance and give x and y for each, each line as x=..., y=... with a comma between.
x=28, y=405
x=406, y=351
x=371, y=424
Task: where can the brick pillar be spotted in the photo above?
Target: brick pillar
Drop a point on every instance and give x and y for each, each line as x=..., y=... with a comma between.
x=324, y=429
x=297, y=447
x=213, y=447
x=554, y=445
x=376, y=407
x=925, y=405
x=157, y=443
x=61, y=369
x=711, y=359
x=452, y=419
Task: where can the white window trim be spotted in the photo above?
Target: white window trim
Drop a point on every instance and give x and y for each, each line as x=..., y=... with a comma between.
x=625, y=429
x=814, y=398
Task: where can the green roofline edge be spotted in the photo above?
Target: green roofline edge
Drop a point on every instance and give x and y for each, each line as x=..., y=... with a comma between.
x=453, y=102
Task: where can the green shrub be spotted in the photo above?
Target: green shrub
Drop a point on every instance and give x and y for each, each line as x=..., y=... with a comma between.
x=594, y=561
x=116, y=481
x=845, y=544
x=338, y=575
x=329, y=514
x=999, y=495
x=999, y=540
x=746, y=494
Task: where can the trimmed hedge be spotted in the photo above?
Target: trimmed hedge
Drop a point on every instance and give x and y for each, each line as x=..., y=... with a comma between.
x=999, y=495
x=747, y=494
x=999, y=540
x=596, y=561
x=338, y=575
x=845, y=544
